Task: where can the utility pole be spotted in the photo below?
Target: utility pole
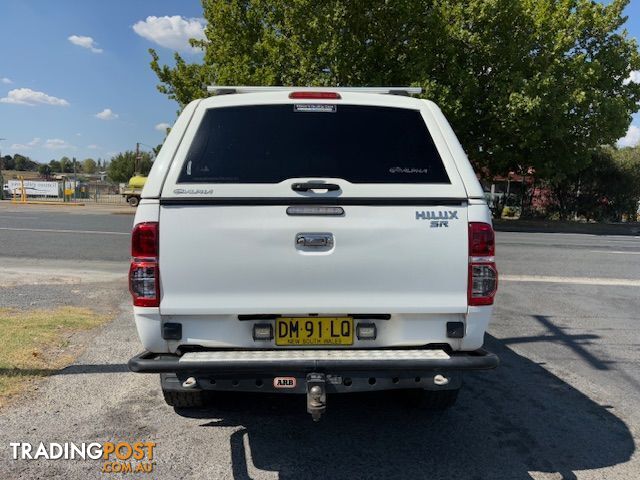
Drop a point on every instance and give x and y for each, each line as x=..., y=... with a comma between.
x=136, y=163
x=75, y=180
x=1, y=177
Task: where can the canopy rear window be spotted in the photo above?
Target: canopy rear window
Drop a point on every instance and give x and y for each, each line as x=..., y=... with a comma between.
x=272, y=143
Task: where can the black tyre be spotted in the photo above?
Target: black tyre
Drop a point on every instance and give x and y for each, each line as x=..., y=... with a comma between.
x=184, y=399
x=432, y=399
x=133, y=201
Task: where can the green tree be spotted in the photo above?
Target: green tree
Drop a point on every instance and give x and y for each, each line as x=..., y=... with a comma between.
x=24, y=164
x=66, y=165
x=123, y=166
x=8, y=163
x=608, y=189
x=524, y=83
x=89, y=165
x=44, y=170
x=55, y=166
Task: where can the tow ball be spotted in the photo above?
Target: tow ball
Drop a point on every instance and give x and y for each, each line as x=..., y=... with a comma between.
x=316, y=395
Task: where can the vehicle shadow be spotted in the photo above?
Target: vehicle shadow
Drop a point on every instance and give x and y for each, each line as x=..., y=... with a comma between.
x=517, y=419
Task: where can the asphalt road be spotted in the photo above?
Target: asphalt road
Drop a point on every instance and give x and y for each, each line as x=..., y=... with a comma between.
x=48, y=233
x=564, y=403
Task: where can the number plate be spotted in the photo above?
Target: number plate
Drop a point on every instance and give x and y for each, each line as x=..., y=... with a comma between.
x=314, y=331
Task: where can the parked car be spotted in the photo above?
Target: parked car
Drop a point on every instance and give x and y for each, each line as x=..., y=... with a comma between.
x=312, y=241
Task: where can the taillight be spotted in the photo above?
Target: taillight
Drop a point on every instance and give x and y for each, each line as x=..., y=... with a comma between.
x=315, y=95
x=144, y=240
x=144, y=273
x=483, y=275
x=144, y=283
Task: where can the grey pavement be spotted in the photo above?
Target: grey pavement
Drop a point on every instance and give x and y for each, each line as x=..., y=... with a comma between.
x=564, y=403
x=30, y=231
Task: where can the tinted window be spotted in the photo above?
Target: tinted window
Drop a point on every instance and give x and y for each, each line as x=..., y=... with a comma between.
x=271, y=143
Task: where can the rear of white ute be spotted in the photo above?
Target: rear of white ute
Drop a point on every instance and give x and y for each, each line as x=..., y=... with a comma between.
x=314, y=241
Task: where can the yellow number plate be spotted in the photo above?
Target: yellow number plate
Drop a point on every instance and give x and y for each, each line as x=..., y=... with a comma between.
x=314, y=331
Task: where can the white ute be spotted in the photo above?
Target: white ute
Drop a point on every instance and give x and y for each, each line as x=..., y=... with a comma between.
x=313, y=241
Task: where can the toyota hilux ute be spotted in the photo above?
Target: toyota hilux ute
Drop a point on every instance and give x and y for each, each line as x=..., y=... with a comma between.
x=312, y=241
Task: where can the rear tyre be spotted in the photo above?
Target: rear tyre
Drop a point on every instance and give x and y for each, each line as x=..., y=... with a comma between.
x=436, y=400
x=184, y=399
x=133, y=201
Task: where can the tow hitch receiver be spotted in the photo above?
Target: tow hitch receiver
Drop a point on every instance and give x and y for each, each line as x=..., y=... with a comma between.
x=316, y=395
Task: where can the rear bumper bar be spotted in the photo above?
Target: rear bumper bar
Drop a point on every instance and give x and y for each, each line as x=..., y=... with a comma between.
x=304, y=361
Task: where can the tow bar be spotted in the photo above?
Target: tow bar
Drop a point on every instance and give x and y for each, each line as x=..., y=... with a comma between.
x=316, y=395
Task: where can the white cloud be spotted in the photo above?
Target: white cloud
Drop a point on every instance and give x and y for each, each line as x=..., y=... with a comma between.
x=85, y=42
x=634, y=77
x=171, y=32
x=26, y=96
x=57, y=144
x=93, y=146
x=106, y=114
x=162, y=127
x=631, y=139
x=5, y=80
x=26, y=146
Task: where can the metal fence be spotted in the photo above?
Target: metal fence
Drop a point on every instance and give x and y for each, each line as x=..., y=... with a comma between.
x=99, y=192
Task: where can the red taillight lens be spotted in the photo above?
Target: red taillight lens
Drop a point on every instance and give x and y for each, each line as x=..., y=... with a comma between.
x=483, y=275
x=144, y=240
x=315, y=95
x=144, y=283
x=482, y=241
x=144, y=273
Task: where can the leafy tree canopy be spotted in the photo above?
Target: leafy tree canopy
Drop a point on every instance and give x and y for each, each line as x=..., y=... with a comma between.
x=55, y=166
x=24, y=164
x=124, y=165
x=89, y=165
x=524, y=82
x=66, y=165
x=44, y=170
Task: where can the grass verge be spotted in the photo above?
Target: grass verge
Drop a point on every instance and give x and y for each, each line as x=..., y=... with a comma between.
x=36, y=343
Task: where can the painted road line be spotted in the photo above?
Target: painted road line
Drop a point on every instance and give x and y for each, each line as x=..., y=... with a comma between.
x=622, y=282
x=47, y=230
x=618, y=252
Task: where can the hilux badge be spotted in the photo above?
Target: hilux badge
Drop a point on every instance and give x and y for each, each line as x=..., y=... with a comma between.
x=439, y=215
x=439, y=219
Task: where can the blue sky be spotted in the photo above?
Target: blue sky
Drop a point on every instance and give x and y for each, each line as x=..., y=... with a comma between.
x=75, y=77
x=36, y=53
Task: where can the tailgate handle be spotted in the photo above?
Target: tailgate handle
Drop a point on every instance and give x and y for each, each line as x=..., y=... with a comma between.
x=314, y=240
x=305, y=187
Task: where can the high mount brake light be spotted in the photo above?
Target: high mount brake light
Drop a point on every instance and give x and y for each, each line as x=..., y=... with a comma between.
x=483, y=275
x=315, y=95
x=144, y=272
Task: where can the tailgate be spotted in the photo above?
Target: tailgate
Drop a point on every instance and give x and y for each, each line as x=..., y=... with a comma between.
x=245, y=259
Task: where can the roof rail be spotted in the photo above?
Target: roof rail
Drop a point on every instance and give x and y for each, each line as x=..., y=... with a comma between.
x=224, y=89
